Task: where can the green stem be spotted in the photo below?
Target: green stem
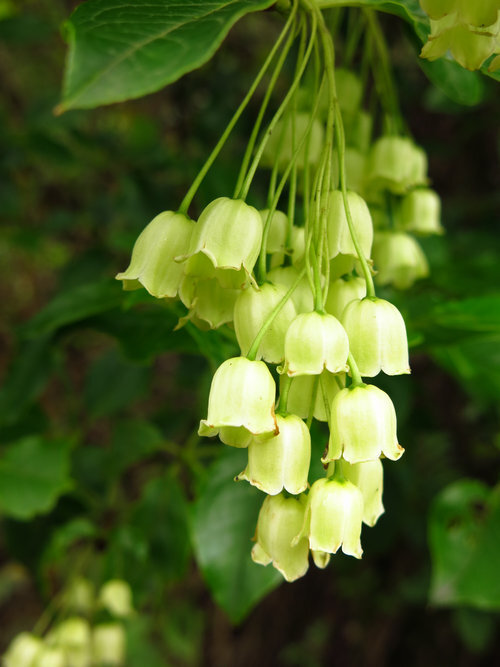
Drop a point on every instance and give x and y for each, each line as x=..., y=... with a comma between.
x=285, y=383
x=253, y=167
x=252, y=353
x=183, y=208
x=355, y=375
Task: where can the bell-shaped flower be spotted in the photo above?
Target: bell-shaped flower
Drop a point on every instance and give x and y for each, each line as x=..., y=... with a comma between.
x=349, y=89
x=276, y=238
x=339, y=236
x=80, y=596
x=229, y=233
x=355, y=166
x=108, y=644
x=251, y=310
x=116, y=596
x=313, y=342
x=72, y=636
x=302, y=296
x=152, y=265
x=23, y=650
x=207, y=301
x=395, y=164
x=341, y=265
x=242, y=397
x=286, y=137
x=51, y=656
x=377, y=336
x=333, y=517
x=420, y=212
x=280, y=462
x=358, y=130
x=280, y=520
x=342, y=291
x=368, y=476
x=322, y=388
x=362, y=426
x=398, y=259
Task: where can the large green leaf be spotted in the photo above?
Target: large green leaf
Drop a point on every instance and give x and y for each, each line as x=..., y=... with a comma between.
x=478, y=315
x=464, y=536
x=33, y=473
x=73, y=305
x=459, y=84
x=120, y=50
x=224, y=517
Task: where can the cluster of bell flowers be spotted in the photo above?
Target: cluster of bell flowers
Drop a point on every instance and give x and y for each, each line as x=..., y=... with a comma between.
x=75, y=641
x=320, y=354
x=469, y=30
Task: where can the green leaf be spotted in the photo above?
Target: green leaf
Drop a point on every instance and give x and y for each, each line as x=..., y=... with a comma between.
x=223, y=523
x=33, y=474
x=409, y=10
x=478, y=315
x=26, y=379
x=133, y=440
x=464, y=538
x=113, y=383
x=459, y=84
x=73, y=306
x=120, y=50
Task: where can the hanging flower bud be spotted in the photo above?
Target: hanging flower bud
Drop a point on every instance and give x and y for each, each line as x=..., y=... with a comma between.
x=342, y=291
x=362, y=426
x=108, y=644
x=280, y=462
x=229, y=233
x=377, y=336
x=252, y=308
x=339, y=236
x=288, y=134
x=314, y=342
x=207, y=302
x=321, y=387
x=398, y=259
x=280, y=520
x=421, y=212
x=23, y=650
x=302, y=296
x=72, y=636
x=152, y=265
x=368, y=476
x=276, y=237
x=242, y=396
x=395, y=164
x=333, y=517
x=116, y=596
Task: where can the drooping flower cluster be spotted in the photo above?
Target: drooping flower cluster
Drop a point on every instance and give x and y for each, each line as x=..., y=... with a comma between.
x=74, y=641
x=298, y=290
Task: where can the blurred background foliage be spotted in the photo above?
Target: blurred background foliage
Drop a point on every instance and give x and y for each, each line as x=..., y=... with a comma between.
x=101, y=471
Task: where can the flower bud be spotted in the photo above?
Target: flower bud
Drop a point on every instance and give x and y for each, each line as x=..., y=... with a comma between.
x=208, y=301
x=368, y=476
x=116, y=596
x=108, y=644
x=421, y=212
x=286, y=137
x=23, y=650
x=399, y=259
x=302, y=296
x=333, y=517
x=80, y=595
x=339, y=236
x=342, y=291
x=73, y=636
x=229, y=233
x=395, y=164
x=377, y=336
x=280, y=462
x=252, y=308
x=362, y=426
x=323, y=387
x=280, y=520
x=276, y=237
x=314, y=342
x=242, y=396
x=51, y=656
x=152, y=265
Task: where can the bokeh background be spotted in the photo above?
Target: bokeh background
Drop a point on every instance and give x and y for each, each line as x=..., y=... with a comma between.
x=101, y=374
